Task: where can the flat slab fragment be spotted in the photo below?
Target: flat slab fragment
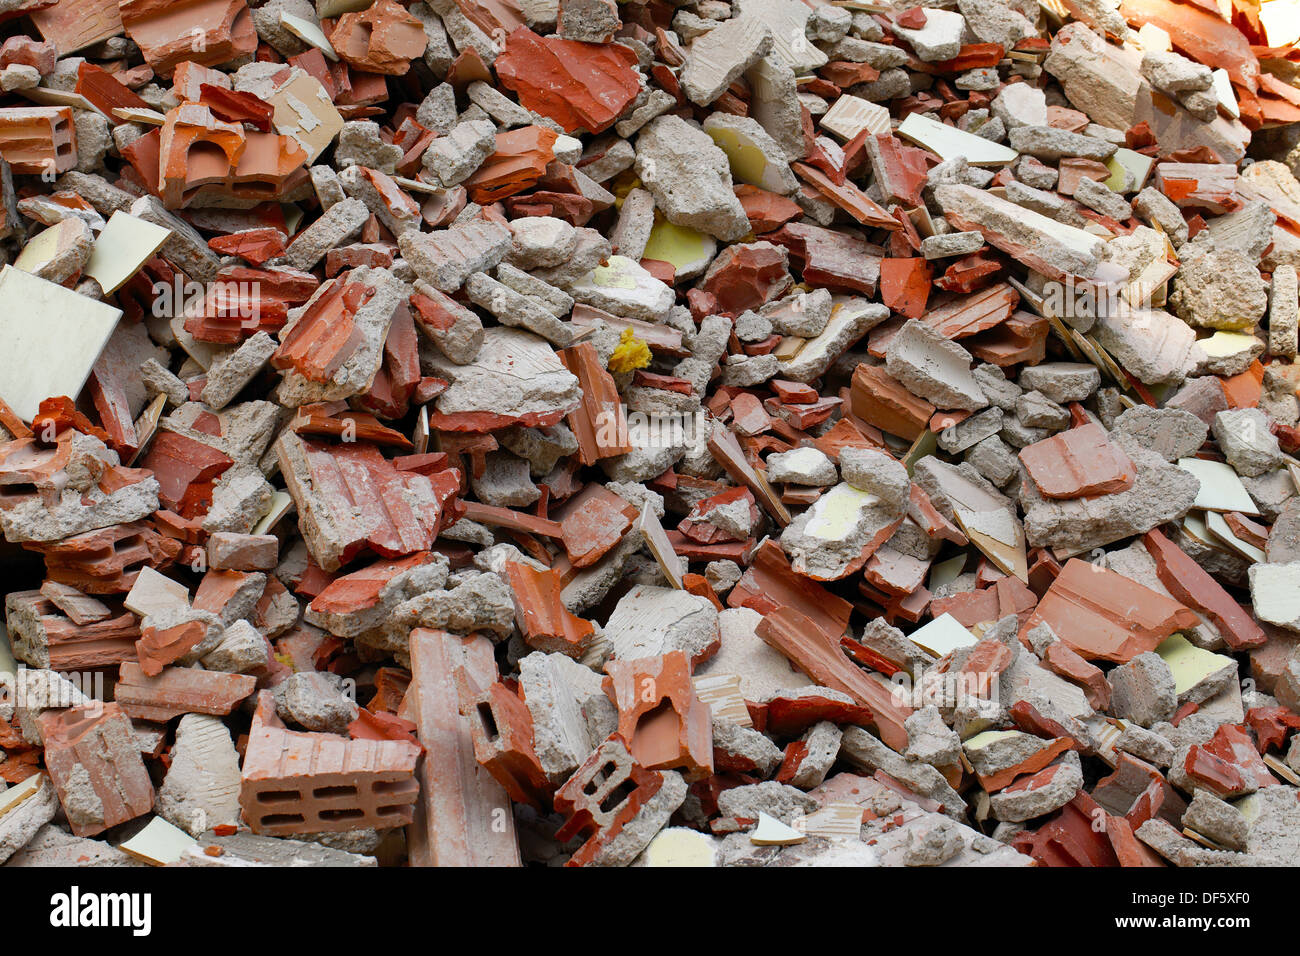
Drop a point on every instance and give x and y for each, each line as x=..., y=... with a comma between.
x=1102, y=615
x=1078, y=463
x=50, y=339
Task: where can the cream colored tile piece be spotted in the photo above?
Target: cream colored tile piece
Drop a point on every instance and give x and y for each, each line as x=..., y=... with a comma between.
x=656, y=540
x=134, y=114
x=19, y=792
x=1221, y=487
x=50, y=339
x=943, y=635
x=281, y=505
x=1218, y=526
x=304, y=111
x=154, y=592
x=1222, y=89
x=850, y=115
x=948, y=142
x=46, y=244
x=677, y=847
x=122, y=249
x=723, y=695
x=835, y=820
x=772, y=832
x=1188, y=663
x=309, y=33
x=159, y=843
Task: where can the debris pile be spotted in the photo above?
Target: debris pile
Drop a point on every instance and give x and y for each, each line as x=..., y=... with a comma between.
x=570, y=432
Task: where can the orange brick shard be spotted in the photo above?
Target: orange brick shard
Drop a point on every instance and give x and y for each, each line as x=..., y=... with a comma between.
x=382, y=39
x=74, y=24
x=819, y=655
x=108, y=560
x=207, y=32
x=666, y=724
x=160, y=646
x=351, y=499
x=593, y=522
x=599, y=423
x=179, y=690
x=542, y=617
x=602, y=796
x=44, y=637
x=978, y=312
x=186, y=471
x=94, y=747
x=326, y=335
x=308, y=783
x=518, y=162
x=463, y=815
x=202, y=156
x=1078, y=463
x=38, y=139
x=879, y=400
x=582, y=86
x=1102, y=615
x=502, y=729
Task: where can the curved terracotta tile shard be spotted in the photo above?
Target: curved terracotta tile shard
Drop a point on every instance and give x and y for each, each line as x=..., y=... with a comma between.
x=308, y=783
x=326, y=335
x=255, y=245
x=1078, y=463
x=905, y=286
x=818, y=654
x=186, y=471
x=1105, y=616
x=207, y=32
x=107, y=561
x=766, y=211
x=543, y=620
x=236, y=107
x=38, y=139
x=93, y=748
x=1188, y=582
x=105, y=91
x=382, y=39
x=336, y=420
x=600, y=421
x=582, y=86
x=880, y=400
x=1072, y=838
x=788, y=715
x=848, y=198
x=518, y=162
x=966, y=315
x=666, y=724
x=44, y=637
x=593, y=522
x=351, y=499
